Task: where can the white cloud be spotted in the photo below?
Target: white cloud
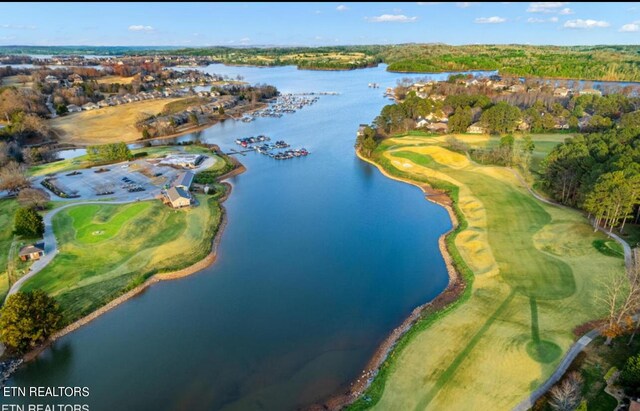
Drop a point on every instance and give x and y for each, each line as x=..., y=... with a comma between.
x=17, y=27
x=342, y=7
x=585, y=24
x=463, y=5
x=545, y=6
x=537, y=20
x=566, y=11
x=392, y=18
x=490, y=20
x=630, y=28
x=140, y=27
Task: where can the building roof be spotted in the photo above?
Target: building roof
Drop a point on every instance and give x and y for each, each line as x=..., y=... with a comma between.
x=31, y=248
x=184, y=179
x=176, y=193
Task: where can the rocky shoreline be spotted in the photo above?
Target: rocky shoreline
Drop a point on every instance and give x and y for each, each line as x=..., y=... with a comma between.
x=451, y=293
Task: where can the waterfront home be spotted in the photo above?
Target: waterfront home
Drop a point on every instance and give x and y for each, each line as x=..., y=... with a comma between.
x=475, y=128
x=72, y=108
x=176, y=197
x=31, y=252
x=590, y=91
x=90, y=106
x=561, y=92
x=517, y=88
x=361, y=129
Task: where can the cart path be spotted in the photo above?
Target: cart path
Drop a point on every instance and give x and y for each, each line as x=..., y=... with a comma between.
x=50, y=243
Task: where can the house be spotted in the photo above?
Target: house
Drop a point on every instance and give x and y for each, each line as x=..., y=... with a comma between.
x=72, y=108
x=361, y=129
x=590, y=91
x=176, y=197
x=499, y=85
x=583, y=122
x=51, y=80
x=561, y=124
x=517, y=88
x=90, y=106
x=32, y=252
x=75, y=78
x=561, y=92
x=475, y=128
x=422, y=122
x=184, y=180
x=523, y=125
x=438, y=127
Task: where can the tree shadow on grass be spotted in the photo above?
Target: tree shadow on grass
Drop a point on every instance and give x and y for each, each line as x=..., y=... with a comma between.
x=453, y=367
x=540, y=350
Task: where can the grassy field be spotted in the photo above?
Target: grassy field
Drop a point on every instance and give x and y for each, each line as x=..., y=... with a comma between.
x=533, y=264
x=8, y=209
x=106, y=125
x=115, y=79
x=108, y=249
x=83, y=161
x=14, y=81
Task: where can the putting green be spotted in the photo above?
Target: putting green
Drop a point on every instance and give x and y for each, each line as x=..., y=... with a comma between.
x=536, y=275
x=107, y=249
x=95, y=223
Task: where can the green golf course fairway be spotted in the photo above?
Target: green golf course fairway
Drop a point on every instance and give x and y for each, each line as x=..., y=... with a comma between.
x=107, y=249
x=535, y=271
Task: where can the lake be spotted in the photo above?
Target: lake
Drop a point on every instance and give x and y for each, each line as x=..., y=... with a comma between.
x=321, y=258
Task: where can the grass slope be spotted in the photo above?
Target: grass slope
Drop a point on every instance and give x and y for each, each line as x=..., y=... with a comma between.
x=106, y=125
x=536, y=272
x=8, y=208
x=107, y=249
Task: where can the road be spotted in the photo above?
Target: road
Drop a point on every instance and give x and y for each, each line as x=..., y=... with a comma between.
x=50, y=107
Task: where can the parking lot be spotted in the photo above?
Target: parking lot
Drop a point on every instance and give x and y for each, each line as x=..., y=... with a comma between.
x=124, y=181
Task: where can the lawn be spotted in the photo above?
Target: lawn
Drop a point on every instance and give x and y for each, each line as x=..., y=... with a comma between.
x=533, y=264
x=106, y=125
x=115, y=79
x=8, y=208
x=108, y=249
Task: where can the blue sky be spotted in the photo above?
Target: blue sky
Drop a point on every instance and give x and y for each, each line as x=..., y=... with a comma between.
x=314, y=24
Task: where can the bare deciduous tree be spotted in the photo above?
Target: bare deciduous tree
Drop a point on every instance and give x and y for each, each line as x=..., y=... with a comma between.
x=13, y=177
x=621, y=297
x=33, y=197
x=566, y=396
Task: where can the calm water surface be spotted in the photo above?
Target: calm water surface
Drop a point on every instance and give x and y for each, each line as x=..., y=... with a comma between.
x=321, y=258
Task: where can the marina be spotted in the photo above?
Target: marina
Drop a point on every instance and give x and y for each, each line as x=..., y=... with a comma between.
x=263, y=316
x=266, y=149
